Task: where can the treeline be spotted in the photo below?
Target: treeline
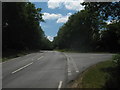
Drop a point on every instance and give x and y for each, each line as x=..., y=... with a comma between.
x=87, y=29
x=21, y=30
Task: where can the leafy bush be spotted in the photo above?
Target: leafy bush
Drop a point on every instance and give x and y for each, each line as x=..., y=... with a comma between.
x=116, y=59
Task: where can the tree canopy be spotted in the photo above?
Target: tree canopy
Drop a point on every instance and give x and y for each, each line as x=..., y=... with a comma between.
x=87, y=29
x=21, y=27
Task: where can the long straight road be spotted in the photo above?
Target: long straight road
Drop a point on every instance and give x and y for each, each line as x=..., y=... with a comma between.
x=49, y=69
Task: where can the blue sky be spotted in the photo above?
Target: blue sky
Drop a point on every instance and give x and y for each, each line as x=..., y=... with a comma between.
x=56, y=14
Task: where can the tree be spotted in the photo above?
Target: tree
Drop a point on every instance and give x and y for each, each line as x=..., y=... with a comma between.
x=110, y=38
x=84, y=29
x=21, y=27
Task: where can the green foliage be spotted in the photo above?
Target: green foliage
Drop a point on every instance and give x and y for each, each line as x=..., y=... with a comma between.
x=116, y=60
x=21, y=26
x=87, y=29
x=96, y=76
x=47, y=45
x=104, y=9
x=103, y=75
x=79, y=33
x=110, y=38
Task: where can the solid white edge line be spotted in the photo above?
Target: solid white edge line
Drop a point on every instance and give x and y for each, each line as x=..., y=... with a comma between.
x=22, y=67
x=74, y=65
x=68, y=64
x=60, y=85
x=68, y=61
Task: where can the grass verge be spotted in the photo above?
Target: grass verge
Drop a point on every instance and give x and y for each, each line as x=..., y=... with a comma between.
x=102, y=75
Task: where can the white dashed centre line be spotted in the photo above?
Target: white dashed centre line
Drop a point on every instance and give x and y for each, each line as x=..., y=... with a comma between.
x=40, y=57
x=60, y=85
x=22, y=67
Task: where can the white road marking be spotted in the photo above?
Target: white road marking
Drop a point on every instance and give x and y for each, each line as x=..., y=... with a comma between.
x=60, y=85
x=40, y=57
x=69, y=71
x=22, y=67
x=68, y=64
x=77, y=71
x=70, y=60
x=74, y=65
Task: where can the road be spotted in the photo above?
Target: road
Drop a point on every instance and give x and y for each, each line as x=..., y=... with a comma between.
x=47, y=69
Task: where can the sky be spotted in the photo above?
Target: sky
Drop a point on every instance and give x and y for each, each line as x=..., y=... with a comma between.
x=56, y=13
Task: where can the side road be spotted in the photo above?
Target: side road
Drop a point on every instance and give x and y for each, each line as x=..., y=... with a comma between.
x=78, y=62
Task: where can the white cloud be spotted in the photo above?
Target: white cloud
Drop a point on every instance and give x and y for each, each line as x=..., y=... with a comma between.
x=58, y=17
x=74, y=5
x=68, y=4
x=54, y=4
x=51, y=16
x=64, y=18
x=50, y=38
